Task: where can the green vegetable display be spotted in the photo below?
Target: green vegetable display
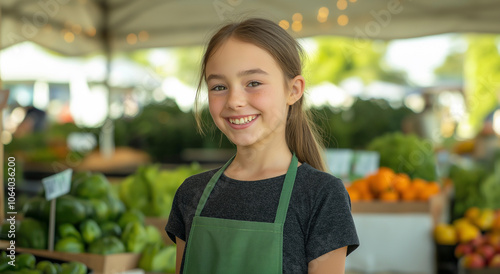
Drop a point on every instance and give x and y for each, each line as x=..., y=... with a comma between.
x=107, y=245
x=110, y=229
x=25, y=260
x=73, y=268
x=90, y=231
x=158, y=258
x=134, y=237
x=70, y=245
x=46, y=267
x=152, y=190
x=475, y=186
x=26, y=263
x=68, y=230
x=32, y=234
x=406, y=154
x=130, y=216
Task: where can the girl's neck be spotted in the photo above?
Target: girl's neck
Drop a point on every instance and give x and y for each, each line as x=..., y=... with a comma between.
x=252, y=164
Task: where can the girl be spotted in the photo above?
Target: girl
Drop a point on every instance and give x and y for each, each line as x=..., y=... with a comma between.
x=272, y=208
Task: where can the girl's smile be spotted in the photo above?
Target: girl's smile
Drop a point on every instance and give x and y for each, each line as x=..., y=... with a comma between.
x=247, y=97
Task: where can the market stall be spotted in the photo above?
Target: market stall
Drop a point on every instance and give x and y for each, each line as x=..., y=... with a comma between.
x=397, y=197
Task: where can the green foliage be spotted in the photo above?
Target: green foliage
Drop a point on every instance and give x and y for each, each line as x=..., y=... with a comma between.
x=406, y=154
x=151, y=190
x=357, y=126
x=338, y=58
x=467, y=185
x=162, y=130
x=452, y=67
x=482, y=73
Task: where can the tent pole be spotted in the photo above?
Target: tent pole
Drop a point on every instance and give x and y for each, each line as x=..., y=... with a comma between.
x=107, y=145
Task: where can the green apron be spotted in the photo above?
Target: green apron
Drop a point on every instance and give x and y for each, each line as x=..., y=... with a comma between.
x=231, y=246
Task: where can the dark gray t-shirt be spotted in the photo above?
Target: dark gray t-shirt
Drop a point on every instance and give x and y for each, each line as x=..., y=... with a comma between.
x=318, y=220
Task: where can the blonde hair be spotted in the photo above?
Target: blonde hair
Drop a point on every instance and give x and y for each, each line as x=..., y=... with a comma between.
x=302, y=135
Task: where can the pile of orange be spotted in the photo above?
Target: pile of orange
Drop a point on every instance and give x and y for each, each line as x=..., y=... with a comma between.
x=386, y=185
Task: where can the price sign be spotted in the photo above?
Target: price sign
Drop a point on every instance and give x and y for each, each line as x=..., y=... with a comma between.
x=366, y=162
x=57, y=184
x=339, y=162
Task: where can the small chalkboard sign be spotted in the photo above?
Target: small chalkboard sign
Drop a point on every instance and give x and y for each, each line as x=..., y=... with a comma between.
x=55, y=186
x=58, y=184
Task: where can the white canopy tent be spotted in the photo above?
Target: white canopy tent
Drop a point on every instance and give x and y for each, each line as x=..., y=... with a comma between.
x=80, y=27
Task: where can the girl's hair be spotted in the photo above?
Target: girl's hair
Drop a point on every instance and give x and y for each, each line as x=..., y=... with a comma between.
x=301, y=134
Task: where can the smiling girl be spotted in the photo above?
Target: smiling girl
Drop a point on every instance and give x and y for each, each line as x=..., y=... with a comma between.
x=272, y=208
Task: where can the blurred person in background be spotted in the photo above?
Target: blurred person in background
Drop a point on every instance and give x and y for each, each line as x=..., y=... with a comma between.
x=35, y=120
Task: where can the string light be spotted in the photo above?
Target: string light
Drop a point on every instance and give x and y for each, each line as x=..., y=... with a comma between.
x=342, y=4
x=91, y=31
x=284, y=24
x=131, y=39
x=323, y=14
x=297, y=26
x=297, y=17
x=342, y=20
x=69, y=37
x=143, y=35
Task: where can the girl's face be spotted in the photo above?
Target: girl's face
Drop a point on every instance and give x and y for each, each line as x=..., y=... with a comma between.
x=247, y=95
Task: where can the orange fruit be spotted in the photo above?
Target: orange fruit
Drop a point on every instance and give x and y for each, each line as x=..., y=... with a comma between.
x=409, y=194
x=366, y=196
x=353, y=194
x=434, y=186
x=401, y=181
x=381, y=181
x=418, y=184
x=389, y=196
x=361, y=185
x=425, y=193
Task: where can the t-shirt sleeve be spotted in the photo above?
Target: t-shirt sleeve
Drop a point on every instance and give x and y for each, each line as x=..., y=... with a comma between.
x=175, y=225
x=331, y=225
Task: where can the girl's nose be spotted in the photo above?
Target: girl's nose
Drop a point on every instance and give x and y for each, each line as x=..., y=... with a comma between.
x=236, y=98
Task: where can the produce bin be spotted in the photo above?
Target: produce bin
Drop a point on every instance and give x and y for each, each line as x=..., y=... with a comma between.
x=100, y=264
x=396, y=236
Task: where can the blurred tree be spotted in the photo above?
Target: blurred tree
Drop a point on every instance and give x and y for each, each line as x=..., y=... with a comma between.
x=357, y=126
x=338, y=58
x=188, y=64
x=452, y=67
x=482, y=76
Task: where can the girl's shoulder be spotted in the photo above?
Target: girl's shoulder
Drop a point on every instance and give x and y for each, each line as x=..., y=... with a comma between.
x=315, y=177
x=316, y=183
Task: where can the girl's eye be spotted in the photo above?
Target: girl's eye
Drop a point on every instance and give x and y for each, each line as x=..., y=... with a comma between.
x=218, y=88
x=254, y=84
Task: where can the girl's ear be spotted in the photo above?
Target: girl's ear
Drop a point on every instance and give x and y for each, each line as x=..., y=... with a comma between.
x=297, y=85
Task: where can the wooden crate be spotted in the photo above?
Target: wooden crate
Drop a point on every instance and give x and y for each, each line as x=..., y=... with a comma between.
x=100, y=264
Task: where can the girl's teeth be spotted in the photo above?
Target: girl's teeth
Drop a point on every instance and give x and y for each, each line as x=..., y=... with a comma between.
x=241, y=121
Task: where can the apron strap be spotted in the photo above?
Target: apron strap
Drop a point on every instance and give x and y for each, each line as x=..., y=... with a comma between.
x=210, y=187
x=286, y=192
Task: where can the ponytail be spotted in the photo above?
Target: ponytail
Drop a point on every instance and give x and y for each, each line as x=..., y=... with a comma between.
x=303, y=138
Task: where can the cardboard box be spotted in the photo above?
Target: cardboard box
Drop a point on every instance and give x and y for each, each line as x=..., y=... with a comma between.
x=100, y=264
